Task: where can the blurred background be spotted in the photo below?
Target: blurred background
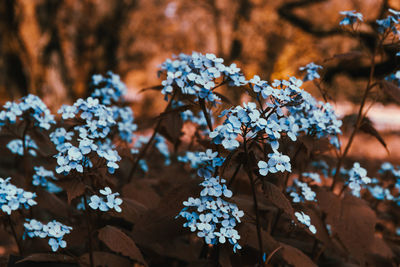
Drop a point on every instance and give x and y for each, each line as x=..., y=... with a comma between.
x=51, y=48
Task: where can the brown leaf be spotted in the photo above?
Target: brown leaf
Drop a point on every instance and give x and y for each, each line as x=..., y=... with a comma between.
x=295, y=257
x=391, y=89
x=156, y=87
x=119, y=242
x=352, y=220
x=48, y=257
x=248, y=236
x=105, y=259
x=273, y=194
x=131, y=210
x=52, y=203
x=73, y=187
x=142, y=192
x=171, y=127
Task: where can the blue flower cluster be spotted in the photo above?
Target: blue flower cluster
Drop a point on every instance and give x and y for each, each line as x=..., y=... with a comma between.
x=313, y=176
x=12, y=198
x=54, y=230
x=16, y=146
x=277, y=162
x=109, y=89
x=197, y=75
x=204, y=162
x=212, y=217
x=306, y=193
x=107, y=201
x=312, y=71
x=306, y=220
x=394, y=77
x=390, y=22
x=350, y=17
x=42, y=177
x=30, y=107
x=357, y=178
x=123, y=116
x=91, y=136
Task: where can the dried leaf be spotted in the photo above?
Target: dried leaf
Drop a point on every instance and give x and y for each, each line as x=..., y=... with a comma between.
x=131, y=210
x=52, y=203
x=142, y=192
x=119, y=242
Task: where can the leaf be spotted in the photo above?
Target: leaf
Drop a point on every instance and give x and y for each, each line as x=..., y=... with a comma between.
x=52, y=203
x=119, y=242
x=159, y=224
x=105, y=259
x=131, y=210
x=351, y=220
x=295, y=257
x=171, y=127
x=391, y=89
x=48, y=257
x=142, y=192
x=273, y=194
x=248, y=236
x=73, y=187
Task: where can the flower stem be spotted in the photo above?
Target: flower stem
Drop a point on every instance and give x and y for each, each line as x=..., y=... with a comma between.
x=89, y=229
x=15, y=235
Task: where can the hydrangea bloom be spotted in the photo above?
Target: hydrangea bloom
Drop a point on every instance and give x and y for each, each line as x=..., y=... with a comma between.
x=42, y=177
x=390, y=22
x=54, y=230
x=387, y=167
x=16, y=146
x=357, y=178
x=196, y=75
x=107, y=201
x=31, y=106
x=313, y=176
x=312, y=71
x=13, y=198
x=204, y=162
x=91, y=136
x=277, y=162
x=305, y=194
x=306, y=220
x=108, y=88
x=212, y=217
x=350, y=18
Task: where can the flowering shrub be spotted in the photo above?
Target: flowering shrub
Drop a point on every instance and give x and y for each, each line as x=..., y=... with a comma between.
x=267, y=176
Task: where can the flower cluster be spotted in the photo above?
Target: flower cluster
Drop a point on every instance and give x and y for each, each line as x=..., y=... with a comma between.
x=306, y=220
x=390, y=22
x=350, y=17
x=91, y=136
x=204, y=162
x=123, y=116
x=277, y=162
x=54, y=230
x=394, y=77
x=42, y=177
x=312, y=71
x=305, y=194
x=16, y=146
x=357, y=178
x=196, y=75
x=108, y=88
x=213, y=217
x=31, y=108
x=12, y=198
x=107, y=201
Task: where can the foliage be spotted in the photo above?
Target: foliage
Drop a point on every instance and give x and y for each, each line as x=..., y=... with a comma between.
x=239, y=181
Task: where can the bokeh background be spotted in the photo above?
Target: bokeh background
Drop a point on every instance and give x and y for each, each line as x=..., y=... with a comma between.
x=51, y=48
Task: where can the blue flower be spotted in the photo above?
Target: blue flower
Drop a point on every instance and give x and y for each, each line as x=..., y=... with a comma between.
x=350, y=18
x=54, y=230
x=16, y=146
x=106, y=202
x=42, y=177
x=305, y=219
x=108, y=89
x=12, y=198
x=312, y=71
